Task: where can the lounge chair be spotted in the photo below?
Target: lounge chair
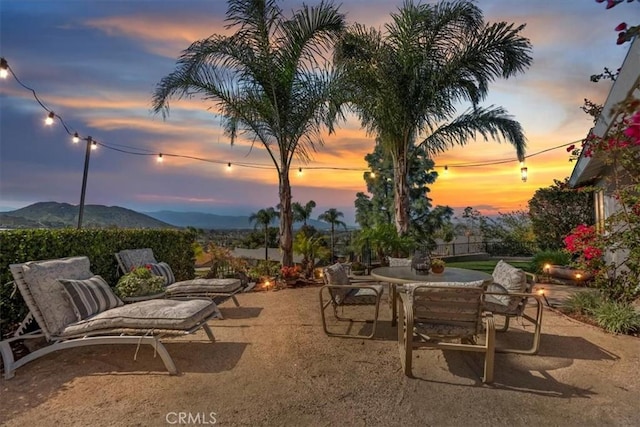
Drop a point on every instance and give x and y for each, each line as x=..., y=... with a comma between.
x=508, y=297
x=74, y=308
x=342, y=292
x=434, y=312
x=219, y=290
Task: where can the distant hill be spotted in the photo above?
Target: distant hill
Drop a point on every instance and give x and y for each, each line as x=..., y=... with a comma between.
x=216, y=222
x=60, y=215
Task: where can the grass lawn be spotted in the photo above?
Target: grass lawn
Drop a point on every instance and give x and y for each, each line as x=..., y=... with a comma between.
x=487, y=266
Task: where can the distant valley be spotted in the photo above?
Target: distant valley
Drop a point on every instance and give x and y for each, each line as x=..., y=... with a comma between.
x=61, y=215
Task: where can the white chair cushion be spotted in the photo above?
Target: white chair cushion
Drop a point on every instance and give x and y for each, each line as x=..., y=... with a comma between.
x=41, y=278
x=510, y=279
x=168, y=314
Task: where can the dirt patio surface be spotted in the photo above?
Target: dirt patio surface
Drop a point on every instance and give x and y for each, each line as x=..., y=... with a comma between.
x=272, y=365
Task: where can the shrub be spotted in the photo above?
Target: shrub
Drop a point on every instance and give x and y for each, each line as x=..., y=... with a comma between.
x=582, y=302
x=617, y=317
x=549, y=257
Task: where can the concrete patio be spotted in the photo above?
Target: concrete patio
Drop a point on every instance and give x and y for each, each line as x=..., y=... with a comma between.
x=272, y=365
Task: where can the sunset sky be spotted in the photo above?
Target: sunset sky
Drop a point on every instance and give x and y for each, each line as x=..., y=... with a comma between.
x=96, y=64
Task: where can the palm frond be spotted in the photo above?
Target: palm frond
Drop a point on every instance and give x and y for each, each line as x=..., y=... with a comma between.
x=490, y=123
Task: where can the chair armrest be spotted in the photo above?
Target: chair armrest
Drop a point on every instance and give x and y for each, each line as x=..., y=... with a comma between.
x=374, y=287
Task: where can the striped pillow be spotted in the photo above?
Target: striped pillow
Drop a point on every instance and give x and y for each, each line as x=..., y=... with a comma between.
x=90, y=296
x=163, y=269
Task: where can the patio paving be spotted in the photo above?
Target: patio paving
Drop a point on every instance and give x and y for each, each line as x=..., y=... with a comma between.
x=272, y=365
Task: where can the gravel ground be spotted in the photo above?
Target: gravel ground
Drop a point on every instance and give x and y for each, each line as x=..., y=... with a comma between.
x=273, y=365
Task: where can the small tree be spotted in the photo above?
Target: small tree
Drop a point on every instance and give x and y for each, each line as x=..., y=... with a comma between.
x=264, y=218
x=332, y=216
x=556, y=210
x=302, y=213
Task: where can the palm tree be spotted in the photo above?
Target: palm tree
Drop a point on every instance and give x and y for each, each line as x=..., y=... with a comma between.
x=264, y=218
x=332, y=216
x=405, y=84
x=302, y=213
x=267, y=82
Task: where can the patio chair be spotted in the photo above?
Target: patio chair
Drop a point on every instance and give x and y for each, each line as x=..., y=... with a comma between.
x=219, y=290
x=434, y=314
x=508, y=297
x=343, y=292
x=74, y=308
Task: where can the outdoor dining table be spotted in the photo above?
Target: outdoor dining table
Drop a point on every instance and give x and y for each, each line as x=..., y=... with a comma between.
x=402, y=275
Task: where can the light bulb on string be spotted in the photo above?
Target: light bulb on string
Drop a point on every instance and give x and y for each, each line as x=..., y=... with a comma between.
x=159, y=159
x=49, y=120
x=299, y=171
x=94, y=145
x=76, y=138
x=229, y=167
x=4, y=68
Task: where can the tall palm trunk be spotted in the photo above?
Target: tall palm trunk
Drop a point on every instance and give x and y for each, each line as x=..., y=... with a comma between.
x=286, y=218
x=266, y=242
x=401, y=193
x=333, y=253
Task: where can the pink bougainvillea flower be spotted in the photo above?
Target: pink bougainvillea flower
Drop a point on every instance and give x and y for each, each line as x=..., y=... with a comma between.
x=611, y=3
x=599, y=1
x=571, y=147
x=621, y=26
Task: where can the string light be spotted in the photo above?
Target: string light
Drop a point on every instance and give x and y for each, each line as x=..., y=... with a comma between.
x=299, y=171
x=4, y=68
x=94, y=144
x=160, y=159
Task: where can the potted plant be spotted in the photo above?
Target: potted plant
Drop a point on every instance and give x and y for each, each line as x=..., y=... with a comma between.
x=290, y=274
x=140, y=284
x=357, y=268
x=437, y=265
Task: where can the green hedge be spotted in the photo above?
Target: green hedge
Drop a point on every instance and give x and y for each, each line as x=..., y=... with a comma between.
x=17, y=246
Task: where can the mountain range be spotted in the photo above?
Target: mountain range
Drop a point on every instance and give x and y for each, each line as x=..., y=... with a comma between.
x=60, y=215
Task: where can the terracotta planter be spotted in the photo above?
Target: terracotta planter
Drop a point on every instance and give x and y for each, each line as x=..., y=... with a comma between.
x=437, y=269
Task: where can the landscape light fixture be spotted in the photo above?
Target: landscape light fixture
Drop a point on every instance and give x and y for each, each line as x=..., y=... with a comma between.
x=4, y=68
x=49, y=120
x=542, y=293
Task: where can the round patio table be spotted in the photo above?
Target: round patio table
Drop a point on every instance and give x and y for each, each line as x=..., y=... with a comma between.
x=402, y=275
